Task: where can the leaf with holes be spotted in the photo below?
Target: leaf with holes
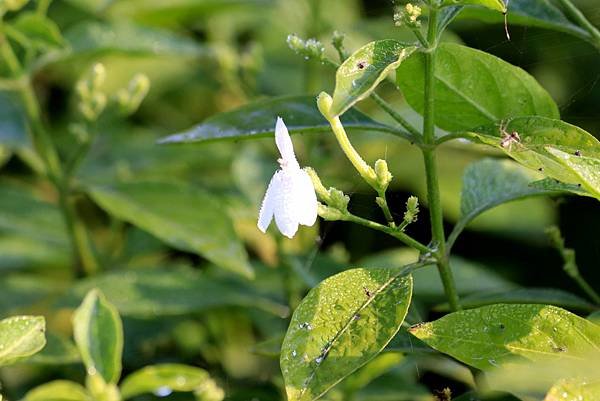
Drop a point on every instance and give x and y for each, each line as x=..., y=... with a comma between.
x=21, y=337
x=340, y=325
x=480, y=88
x=587, y=169
x=493, y=335
x=532, y=147
x=360, y=74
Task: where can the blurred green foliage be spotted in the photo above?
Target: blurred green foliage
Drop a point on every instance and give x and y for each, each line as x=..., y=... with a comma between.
x=171, y=229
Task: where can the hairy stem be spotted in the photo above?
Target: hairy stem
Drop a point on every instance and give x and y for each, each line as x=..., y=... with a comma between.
x=429, y=157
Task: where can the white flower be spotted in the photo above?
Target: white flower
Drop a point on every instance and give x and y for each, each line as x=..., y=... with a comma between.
x=290, y=196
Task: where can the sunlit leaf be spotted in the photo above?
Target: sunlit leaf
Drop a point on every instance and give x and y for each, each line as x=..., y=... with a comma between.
x=536, y=136
x=170, y=292
x=164, y=379
x=587, y=169
x=360, y=74
x=480, y=88
x=40, y=30
x=497, y=5
x=339, y=326
x=492, y=335
x=21, y=337
x=98, y=333
x=257, y=120
x=58, y=390
x=574, y=390
x=183, y=216
x=544, y=296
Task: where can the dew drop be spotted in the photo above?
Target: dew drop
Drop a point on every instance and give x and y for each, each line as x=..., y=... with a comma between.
x=163, y=391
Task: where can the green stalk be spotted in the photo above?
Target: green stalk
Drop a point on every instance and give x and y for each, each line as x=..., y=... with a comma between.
x=429, y=157
x=80, y=241
x=576, y=15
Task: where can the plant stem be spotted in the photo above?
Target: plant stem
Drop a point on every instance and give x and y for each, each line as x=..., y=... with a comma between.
x=394, y=232
x=44, y=146
x=583, y=22
x=382, y=203
x=429, y=157
x=385, y=106
x=80, y=241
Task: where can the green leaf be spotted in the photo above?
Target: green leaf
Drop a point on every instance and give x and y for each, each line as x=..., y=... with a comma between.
x=360, y=74
x=469, y=276
x=549, y=184
x=497, y=5
x=179, y=12
x=492, y=335
x=59, y=350
x=547, y=296
x=24, y=292
x=39, y=29
x=98, y=333
x=185, y=217
x=23, y=252
x=537, y=135
x=13, y=131
x=536, y=13
x=491, y=182
x=257, y=120
x=125, y=37
x=163, y=379
x=23, y=213
x=587, y=169
x=480, y=88
x=170, y=292
x=58, y=390
x=339, y=326
x=574, y=390
x=21, y=337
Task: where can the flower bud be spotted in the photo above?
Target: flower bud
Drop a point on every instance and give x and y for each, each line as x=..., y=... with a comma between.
x=412, y=210
x=329, y=213
x=339, y=200
x=322, y=193
x=310, y=48
x=384, y=177
x=98, y=76
x=338, y=39
x=324, y=102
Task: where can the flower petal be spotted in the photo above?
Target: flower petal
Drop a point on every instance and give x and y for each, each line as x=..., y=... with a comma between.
x=305, y=199
x=268, y=206
x=285, y=145
x=285, y=204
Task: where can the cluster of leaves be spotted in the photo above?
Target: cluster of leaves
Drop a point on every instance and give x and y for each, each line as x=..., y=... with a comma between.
x=86, y=192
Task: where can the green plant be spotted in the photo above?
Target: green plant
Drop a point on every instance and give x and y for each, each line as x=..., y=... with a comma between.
x=349, y=318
